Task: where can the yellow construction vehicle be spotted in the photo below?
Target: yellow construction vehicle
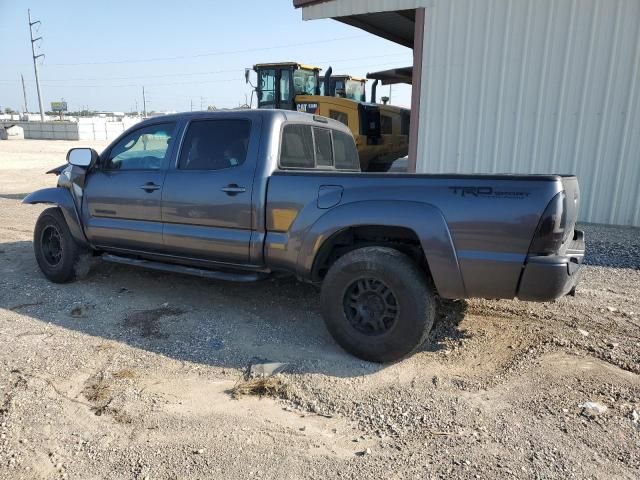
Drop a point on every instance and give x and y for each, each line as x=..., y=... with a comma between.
x=381, y=131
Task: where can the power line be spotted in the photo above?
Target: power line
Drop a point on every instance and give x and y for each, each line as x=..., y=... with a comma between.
x=199, y=55
x=212, y=72
x=137, y=85
x=176, y=83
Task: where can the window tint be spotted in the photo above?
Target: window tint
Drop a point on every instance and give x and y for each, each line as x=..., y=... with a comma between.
x=143, y=149
x=297, y=147
x=339, y=116
x=324, y=152
x=346, y=154
x=215, y=144
x=386, y=125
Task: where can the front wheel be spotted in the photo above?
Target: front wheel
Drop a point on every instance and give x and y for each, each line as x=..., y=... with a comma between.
x=57, y=253
x=377, y=304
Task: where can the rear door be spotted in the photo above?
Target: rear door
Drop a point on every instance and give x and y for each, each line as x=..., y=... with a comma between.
x=121, y=200
x=206, y=201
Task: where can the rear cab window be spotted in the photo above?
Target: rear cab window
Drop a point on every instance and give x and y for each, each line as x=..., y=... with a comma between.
x=310, y=147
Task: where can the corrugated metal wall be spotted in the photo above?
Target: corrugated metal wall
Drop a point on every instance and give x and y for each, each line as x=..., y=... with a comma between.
x=536, y=86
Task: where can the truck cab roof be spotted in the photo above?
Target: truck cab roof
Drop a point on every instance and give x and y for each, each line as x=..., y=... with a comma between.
x=271, y=114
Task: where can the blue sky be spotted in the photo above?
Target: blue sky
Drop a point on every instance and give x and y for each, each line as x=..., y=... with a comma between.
x=100, y=54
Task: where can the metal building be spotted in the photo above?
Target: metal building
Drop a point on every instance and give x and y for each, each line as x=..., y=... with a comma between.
x=520, y=86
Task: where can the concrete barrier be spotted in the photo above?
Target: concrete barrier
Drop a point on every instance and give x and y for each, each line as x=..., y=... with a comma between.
x=73, y=131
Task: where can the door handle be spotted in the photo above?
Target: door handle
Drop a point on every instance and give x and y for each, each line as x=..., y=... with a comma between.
x=233, y=189
x=150, y=187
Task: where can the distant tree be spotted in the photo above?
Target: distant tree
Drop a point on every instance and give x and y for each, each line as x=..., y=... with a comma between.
x=211, y=108
x=9, y=111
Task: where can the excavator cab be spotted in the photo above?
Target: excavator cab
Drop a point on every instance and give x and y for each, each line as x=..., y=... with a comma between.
x=344, y=86
x=279, y=83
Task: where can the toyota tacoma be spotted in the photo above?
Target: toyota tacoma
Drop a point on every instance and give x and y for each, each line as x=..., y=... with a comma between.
x=241, y=195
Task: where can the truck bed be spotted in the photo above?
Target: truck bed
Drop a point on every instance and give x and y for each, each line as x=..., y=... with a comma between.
x=490, y=220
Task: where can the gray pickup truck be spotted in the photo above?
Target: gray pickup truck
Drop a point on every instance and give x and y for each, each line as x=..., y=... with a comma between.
x=240, y=195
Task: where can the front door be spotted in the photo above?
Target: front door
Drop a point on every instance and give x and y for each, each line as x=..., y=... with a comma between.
x=206, y=200
x=121, y=200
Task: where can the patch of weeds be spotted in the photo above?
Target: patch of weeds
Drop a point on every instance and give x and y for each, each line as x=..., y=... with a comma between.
x=97, y=392
x=269, y=387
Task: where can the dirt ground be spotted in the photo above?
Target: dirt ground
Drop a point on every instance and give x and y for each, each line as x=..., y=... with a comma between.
x=126, y=374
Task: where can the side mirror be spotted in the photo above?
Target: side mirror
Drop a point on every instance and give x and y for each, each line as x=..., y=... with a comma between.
x=81, y=157
x=247, y=71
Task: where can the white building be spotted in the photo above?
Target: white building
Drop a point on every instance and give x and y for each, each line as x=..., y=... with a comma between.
x=520, y=86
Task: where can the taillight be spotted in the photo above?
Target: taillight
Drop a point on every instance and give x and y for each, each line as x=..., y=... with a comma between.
x=551, y=230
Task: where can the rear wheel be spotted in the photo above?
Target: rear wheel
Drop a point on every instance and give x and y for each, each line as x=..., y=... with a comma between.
x=377, y=304
x=57, y=253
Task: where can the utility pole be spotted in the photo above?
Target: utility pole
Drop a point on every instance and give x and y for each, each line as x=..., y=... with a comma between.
x=144, y=103
x=35, y=62
x=24, y=93
x=192, y=104
x=201, y=103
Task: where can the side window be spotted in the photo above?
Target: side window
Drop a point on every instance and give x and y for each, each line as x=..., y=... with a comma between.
x=346, y=154
x=323, y=149
x=267, y=84
x=297, y=147
x=386, y=125
x=143, y=149
x=405, y=123
x=215, y=144
x=339, y=116
x=285, y=81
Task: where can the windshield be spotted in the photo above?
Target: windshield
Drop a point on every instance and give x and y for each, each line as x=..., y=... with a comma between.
x=354, y=90
x=304, y=82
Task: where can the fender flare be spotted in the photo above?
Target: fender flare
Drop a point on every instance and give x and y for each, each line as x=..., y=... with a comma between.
x=61, y=197
x=424, y=219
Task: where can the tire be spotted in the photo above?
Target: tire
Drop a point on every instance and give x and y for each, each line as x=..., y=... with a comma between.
x=377, y=304
x=57, y=253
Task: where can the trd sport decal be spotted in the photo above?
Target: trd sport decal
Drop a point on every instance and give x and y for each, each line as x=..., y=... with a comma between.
x=486, y=192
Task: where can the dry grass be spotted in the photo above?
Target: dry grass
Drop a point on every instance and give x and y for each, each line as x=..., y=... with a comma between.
x=124, y=373
x=97, y=392
x=270, y=386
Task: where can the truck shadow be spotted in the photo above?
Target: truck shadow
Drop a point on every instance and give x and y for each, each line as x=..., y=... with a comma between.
x=13, y=196
x=190, y=319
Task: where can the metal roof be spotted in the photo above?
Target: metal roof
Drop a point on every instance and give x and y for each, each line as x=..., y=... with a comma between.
x=393, y=76
x=286, y=64
x=346, y=77
x=390, y=19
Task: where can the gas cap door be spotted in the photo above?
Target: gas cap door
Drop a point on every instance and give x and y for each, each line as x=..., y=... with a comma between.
x=329, y=196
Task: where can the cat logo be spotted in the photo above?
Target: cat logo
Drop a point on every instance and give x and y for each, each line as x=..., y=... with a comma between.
x=307, y=107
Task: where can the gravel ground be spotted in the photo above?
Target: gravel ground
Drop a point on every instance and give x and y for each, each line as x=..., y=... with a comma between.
x=126, y=374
